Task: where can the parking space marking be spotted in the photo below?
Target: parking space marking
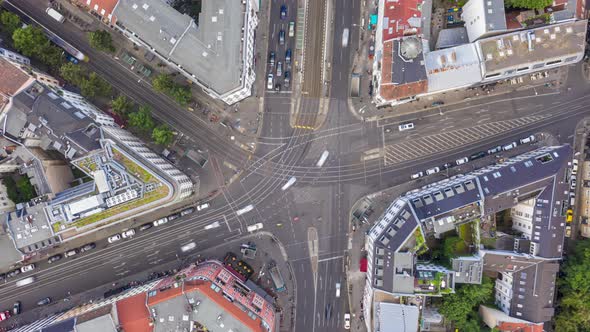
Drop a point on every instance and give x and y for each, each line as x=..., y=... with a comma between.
x=436, y=143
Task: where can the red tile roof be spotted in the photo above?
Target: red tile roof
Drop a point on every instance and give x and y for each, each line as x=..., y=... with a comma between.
x=133, y=314
x=520, y=327
x=101, y=7
x=13, y=78
x=396, y=14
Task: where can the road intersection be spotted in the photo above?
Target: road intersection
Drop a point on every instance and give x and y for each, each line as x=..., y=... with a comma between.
x=322, y=197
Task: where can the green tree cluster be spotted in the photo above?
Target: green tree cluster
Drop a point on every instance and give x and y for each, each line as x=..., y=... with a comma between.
x=142, y=119
x=164, y=83
x=91, y=84
x=460, y=306
x=574, y=307
x=529, y=4
x=9, y=21
x=101, y=40
x=121, y=106
x=31, y=41
x=19, y=191
x=162, y=135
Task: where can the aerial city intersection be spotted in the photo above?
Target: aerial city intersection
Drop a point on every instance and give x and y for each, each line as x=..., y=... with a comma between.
x=294, y=165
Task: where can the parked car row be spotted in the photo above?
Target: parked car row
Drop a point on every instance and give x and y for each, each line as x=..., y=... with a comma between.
x=475, y=156
x=4, y=315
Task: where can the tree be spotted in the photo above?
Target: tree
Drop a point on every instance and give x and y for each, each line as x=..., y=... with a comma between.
x=164, y=83
x=10, y=21
x=457, y=306
x=121, y=105
x=574, y=306
x=72, y=73
x=529, y=4
x=30, y=41
x=101, y=40
x=26, y=189
x=95, y=86
x=453, y=246
x=162, y=135
x=52, y=56
x=142, y=119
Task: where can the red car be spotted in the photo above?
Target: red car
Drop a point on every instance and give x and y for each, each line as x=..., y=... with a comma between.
x=4, y=315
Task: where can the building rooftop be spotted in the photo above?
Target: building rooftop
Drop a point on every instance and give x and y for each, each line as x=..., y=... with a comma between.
x=401, y=18
x=453, y=68
x=483, y=17
x=393, y=317
x=102, y=323
x=451, y=38
x=13, y=78
x=468, y=270
x=540, y=46
x=29, y=228
x=533, y=285
x=402, y=76
x=210, y=52
x=496, y=318
x=104, y=8
x=133, y=313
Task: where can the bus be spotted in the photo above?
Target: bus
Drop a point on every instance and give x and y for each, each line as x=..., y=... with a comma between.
x=323, y=159
x=345, y=37
x=289, y=183
x=25, y=281
x=245, y=209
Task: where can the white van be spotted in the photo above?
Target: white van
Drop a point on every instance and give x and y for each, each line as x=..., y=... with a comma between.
x=289, y=183
x=255, y=227
x=528, y=139
x=25, y=281
x=55, y=15
x=345, y=37
x=509, y=146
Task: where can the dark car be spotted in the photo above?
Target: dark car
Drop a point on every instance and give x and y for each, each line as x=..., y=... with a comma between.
x=282, y=37
x=145, y=227
x=447, y=165
x=54, y=258
x=16, y=308
x=44, y=301
x=173, y=216
x=283, y=12
x=328, y=312
x=2, y=276
x=477, y=155
x=88, y=247
x=288, y=57
x=277, y=87
x=271, y=59
x=13, y=273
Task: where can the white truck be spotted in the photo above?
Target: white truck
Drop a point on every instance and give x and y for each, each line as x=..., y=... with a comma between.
x=55, y=15
x=255, y=227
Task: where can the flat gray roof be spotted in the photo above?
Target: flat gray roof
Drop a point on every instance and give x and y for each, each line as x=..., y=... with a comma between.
x=103, y=323
x=541, y=45
x=30, y=229
x=393, y=317
x=211, y=51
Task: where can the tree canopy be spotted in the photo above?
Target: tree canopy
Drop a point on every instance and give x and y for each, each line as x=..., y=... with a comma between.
x=457, y=307
x=101, y=40
x=162, y=135
x=10, y=21
x=95, y=86
x=121, y=105
x=164, y=83
x=142, y=119
x=574, y=307
x=19, y=191
x=72, y=73
x=529, y=4
x=30, y=41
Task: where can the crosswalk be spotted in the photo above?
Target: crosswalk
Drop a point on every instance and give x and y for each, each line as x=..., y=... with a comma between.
x=427, y=145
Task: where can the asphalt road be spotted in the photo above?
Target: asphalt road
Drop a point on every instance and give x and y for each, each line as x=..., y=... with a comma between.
x=320, y=200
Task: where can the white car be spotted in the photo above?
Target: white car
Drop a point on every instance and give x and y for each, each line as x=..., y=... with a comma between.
x=71, y=253
x=255, y=227
x=432, y=170
x=347, y=321
x=27, y=268
x=127, y=234
x=495, y=149
x=202, y=206
x=509, y=146
x=461, y=161
x=114, y=238
x=161, y=221
x=337, y=289
x=269, y=81
x=528, y=139
x=187, y=247
x=406, y=126
x=417, y=175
